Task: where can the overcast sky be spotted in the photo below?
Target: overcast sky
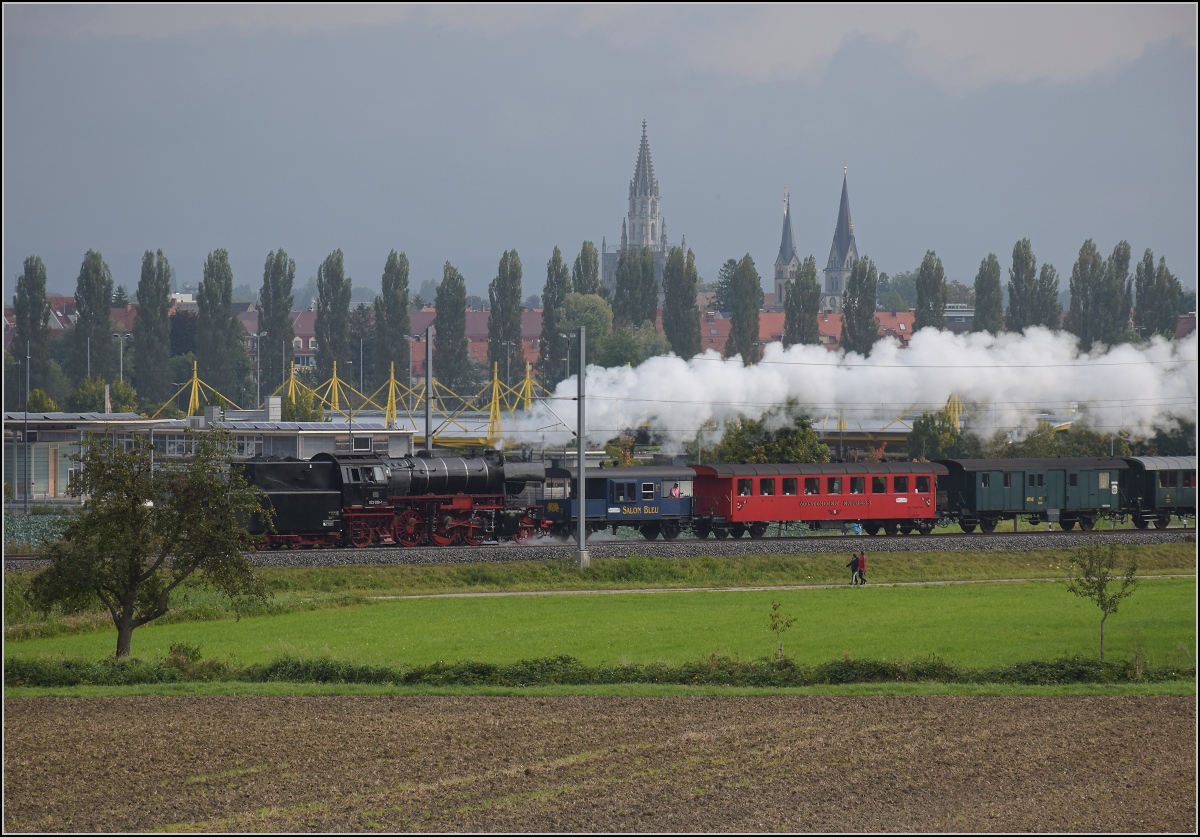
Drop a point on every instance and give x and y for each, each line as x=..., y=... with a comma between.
x=456, y=132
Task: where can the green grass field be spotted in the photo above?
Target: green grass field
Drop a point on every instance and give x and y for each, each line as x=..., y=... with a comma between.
x=971, y=624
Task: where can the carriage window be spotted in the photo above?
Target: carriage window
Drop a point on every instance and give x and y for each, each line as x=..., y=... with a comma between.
x=355, y=476
x=368, y=475
x=833, y=485
x=789, y=486
x=858, y=485
x=1031, y=480
x=1008, y=480
x=647, y=491
x=1072, y=480
x=1166, y=479
x=1189, y=479
x=379, y=475
x=1103, y=477
x=901, y=485
x=766, y=487
x=985, y=480
x=922, y=485
x=879, y=485
x=744, y=487
x=812, y=485
x=1041, y=480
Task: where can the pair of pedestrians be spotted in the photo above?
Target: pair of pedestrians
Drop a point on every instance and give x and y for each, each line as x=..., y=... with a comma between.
x=858, y=568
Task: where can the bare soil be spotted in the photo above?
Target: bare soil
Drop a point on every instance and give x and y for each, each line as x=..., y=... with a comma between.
x=601, y=764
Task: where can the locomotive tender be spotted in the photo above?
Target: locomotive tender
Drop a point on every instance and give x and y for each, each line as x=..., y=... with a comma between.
x=360, y=499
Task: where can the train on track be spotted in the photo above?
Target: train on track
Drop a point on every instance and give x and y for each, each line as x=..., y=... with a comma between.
x=364, y=499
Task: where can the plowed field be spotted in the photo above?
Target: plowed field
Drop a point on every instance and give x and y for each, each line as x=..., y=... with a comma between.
x=601, y=764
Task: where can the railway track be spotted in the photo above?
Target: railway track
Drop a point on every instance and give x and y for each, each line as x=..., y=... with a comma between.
x=606, y=546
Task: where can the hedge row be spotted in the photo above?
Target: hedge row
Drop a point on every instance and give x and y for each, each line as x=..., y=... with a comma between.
x=723, y=671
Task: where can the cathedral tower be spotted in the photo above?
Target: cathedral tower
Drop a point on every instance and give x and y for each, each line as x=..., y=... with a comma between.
x=644, y=226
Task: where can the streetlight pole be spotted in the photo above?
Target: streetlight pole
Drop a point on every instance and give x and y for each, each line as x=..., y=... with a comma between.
x=121, y=341
x=567, y=337
x=507, y=344
x=581, y=491
x=28, y=465
x=360, y=366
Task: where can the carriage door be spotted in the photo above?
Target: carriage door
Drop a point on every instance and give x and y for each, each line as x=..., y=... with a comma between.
x=1035, y=491
x=1074, y=497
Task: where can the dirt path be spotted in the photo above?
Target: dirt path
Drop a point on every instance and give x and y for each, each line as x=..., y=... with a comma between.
x=601, y=764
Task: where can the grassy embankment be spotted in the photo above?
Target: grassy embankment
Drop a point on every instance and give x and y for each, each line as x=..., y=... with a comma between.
x=331, y=613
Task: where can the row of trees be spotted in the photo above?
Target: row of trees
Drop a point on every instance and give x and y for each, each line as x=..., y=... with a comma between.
x=1108, y=304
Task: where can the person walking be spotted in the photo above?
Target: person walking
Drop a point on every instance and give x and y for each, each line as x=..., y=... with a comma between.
x=853, y=565
x=862, y=568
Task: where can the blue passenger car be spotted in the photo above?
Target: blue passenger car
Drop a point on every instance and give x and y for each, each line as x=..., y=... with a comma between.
x=654, y=499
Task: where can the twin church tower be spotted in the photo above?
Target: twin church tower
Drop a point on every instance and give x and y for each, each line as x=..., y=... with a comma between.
x=644, y=226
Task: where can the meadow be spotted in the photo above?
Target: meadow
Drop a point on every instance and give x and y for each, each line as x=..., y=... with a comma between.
x=973, y=624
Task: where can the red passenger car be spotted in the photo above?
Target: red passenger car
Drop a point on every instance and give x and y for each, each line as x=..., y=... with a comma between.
x=897, y=497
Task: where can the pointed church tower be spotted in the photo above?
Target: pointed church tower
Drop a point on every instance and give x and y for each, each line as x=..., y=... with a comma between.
x=787, y=262
x=643, y=226
x=842, y=255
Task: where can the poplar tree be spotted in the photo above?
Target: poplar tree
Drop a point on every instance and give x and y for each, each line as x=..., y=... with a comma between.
x=989, y=302
x=275, y=319
x=93, y=327
x=746, y=288
x=1047, y=308
x=333, y=314
x=681, y=318
x=152, y=329
x=860, y=326
x=931, y=293
x=635, y=299
x=451, y=357
x=586, y=273
x=552, y=350
x=393, y=329
x=1158, y=298
x=1022, y=287
x=504, y=318
x=1092, y=318
x=801, y=305
x=220, y=346
x=31, y=314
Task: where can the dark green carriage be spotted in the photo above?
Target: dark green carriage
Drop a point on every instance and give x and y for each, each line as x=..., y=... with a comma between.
x=982, y=492
x=1158, y=487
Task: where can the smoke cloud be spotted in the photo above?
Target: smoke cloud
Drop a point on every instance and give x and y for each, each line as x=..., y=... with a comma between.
x=1005, y=382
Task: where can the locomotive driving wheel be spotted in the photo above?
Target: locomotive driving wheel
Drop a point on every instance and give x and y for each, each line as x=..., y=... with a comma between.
x=444, y=533
x=409, y=528
x=472, y=532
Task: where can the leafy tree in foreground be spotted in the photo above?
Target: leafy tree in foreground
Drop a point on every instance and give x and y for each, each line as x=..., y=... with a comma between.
x=780, y=622
x=144, y=530
x=39, y=402
x=1091, y=574
x=934, y=437
x=749, y=440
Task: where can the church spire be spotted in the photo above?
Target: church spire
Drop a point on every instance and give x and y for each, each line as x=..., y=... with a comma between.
x=643, y=172
x=787, y=245
x=843, y=234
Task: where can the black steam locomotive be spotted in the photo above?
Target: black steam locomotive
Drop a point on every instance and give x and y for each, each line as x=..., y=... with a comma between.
x=411, y=501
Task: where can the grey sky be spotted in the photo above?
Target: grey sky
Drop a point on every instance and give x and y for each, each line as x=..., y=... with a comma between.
x=456, y=132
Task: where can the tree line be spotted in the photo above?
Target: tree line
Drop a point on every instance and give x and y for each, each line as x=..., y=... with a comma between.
x=1109, y=304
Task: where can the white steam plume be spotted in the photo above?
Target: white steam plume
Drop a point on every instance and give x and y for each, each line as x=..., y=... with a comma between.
x=1004, y=380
